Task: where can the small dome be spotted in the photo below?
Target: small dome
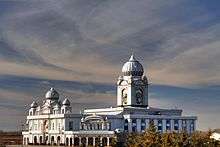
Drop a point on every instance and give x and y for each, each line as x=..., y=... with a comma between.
x=66, y=102
x=34, y=104
x=132, y=67
x=52, y=94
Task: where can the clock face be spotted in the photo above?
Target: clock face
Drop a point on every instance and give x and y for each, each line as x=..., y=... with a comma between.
x=124, y=96
x=139, y=96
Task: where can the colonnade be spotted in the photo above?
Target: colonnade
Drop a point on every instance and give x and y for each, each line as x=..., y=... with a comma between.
x=162, y=125
x=70, y=140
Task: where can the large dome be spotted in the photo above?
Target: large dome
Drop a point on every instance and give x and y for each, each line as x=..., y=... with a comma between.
x=52, y=94
x=132, y=67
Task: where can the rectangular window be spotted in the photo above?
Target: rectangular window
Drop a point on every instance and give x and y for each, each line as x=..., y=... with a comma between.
x=192, y=128
x=168, y=125
x=143, y=125
x=134, y=125
x=70, y=125
x=160, y=126
x=184, y=127
x=176, y=125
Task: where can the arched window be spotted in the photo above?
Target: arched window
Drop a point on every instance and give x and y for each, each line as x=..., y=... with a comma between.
x=126, y=125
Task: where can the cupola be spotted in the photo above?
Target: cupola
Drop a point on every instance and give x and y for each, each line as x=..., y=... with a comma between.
x=132, y=67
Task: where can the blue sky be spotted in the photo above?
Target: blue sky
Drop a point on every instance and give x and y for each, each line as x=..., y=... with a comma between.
x=79, y=47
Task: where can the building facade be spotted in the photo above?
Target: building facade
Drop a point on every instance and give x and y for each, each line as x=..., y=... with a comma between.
x=54, y=123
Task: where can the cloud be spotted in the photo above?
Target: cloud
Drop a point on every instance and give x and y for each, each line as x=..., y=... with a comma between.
x=79, y=46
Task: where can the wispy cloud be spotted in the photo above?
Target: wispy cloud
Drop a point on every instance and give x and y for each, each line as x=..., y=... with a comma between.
x=85, y=42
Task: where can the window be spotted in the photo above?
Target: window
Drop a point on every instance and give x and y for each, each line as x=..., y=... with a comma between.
x=192, y=127
x=134, y=125
x=143, y=125
x=59, y=127
x=184, y=125
x=35, y=126
x=62, y=111
x=109, y=126
x=52, y=126
x=160, y=126
x=126, y=125
x=168, y=125
x=176, y=125
x=70, y=125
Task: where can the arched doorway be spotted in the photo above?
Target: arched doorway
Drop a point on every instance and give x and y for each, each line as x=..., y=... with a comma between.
x=111, y=141
x=41, y=139
x=67, y=141
x=52, y=140
x=46, y=140
x=27, y=140
x=104, y=141
x=97, y=141
x=71, y=141
x=24, y=141
x=58, y=140
x=90, y=141
x=35, y=139
x=76, y=141
x=83, y=140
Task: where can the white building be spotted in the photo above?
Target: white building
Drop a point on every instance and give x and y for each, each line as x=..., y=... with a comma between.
x=54, y=122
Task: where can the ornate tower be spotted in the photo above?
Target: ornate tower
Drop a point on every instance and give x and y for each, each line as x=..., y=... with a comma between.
x=132, y=87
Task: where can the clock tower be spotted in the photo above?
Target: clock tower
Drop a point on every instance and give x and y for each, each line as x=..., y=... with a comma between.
x=132, y=86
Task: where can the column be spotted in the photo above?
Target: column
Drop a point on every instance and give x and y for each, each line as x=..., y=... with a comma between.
x=180, y=125
x=73, y=140
x=194, y=122
x=80, y=143
x=87, y=141
x=164, y=125
x=129, y=125
x=147, y=123
x=138, y=125
x=107, y=141
x=188, y=122
x=172, y=125
x=93, y=141
x=156, y=123
x=101, y=141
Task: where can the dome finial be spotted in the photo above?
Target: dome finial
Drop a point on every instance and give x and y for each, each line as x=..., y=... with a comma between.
x=52, y=94
x=132, y=58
